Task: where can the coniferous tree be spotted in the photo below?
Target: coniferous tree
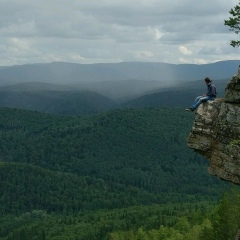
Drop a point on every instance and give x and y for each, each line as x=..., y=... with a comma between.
x=234, y=23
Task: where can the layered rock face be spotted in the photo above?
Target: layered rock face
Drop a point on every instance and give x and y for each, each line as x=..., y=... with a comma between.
x=215, y=133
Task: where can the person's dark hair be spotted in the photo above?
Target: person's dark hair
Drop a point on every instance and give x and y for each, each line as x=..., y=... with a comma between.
x=207, y=80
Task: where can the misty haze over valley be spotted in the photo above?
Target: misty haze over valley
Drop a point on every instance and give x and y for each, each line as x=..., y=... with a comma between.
x=91, y=88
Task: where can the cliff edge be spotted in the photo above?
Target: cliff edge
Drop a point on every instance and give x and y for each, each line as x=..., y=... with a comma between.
x=215, y=133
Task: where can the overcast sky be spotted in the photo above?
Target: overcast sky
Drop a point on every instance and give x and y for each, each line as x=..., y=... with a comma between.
x=105, y=31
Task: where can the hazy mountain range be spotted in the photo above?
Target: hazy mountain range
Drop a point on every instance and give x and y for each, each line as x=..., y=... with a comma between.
x=59, y=72
x=67, y=88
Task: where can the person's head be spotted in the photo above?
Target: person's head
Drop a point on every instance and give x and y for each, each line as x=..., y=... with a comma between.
x=207, y=80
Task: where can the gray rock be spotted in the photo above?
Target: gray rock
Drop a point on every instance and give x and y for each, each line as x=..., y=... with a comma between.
x=215, y=133
x=232, y=91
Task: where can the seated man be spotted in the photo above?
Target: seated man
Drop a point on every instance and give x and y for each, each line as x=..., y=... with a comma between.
x=210, y=95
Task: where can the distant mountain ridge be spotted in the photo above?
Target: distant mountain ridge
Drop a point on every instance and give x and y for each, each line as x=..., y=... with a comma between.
x=60, y=72
x=84, y=99
x=79, y=89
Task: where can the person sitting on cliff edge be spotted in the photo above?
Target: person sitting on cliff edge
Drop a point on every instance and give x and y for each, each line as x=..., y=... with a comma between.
x=210, y=95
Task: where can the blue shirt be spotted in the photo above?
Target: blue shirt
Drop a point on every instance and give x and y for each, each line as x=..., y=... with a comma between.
x=212, y=91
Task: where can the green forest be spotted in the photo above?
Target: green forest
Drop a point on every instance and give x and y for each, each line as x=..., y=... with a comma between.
x=121, y=174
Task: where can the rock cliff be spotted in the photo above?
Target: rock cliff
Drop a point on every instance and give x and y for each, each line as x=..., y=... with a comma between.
x=215, y=133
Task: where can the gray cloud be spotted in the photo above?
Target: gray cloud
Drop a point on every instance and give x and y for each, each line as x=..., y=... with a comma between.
x=113, y=31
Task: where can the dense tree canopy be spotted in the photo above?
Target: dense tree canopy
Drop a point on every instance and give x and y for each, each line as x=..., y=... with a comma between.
x=115, y=175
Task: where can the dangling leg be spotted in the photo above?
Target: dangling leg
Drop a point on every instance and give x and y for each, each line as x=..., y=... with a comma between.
x=191, y=109
x=197, y=99
x=200, y=100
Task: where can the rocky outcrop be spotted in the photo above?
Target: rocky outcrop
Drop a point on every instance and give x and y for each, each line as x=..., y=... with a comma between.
x=215, y=133
x=232, y=91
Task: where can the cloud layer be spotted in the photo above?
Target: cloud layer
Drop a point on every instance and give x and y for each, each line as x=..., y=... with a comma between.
x=34, y=31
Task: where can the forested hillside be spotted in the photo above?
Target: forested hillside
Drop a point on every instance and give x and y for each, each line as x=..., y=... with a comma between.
x=56, y=102
x=83, y=177
x=143, y=148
